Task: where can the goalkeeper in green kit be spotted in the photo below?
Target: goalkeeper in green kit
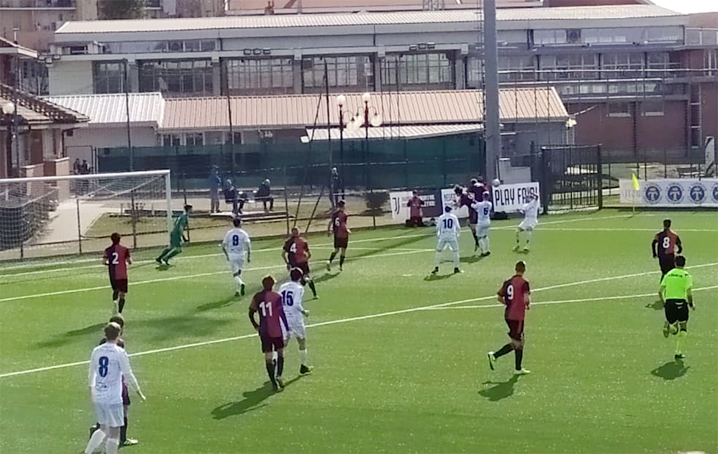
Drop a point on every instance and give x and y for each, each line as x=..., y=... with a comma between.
x=176, y=237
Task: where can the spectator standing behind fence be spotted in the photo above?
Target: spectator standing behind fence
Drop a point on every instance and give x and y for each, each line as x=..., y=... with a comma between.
x=76, y=167
x=263, y=194
x=335, y=186
x=230, y=196
x=415, y=205
x=215, y=182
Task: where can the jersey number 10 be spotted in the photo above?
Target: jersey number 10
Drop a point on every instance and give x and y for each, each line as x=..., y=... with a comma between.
x=448, y=224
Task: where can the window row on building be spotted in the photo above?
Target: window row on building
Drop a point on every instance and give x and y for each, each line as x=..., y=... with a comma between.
x=355, y=73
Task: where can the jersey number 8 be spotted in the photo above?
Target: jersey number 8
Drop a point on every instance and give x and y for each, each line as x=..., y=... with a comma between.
x=235, y=240
x=102, y=370
x=666, y=242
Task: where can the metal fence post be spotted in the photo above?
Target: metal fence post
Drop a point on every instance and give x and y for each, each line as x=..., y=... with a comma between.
x=545, y=195
x=599, y=159
x=79, y=226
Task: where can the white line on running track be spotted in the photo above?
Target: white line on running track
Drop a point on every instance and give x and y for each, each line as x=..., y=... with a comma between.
x=345, y=320
x=584, y=300
x=185, y=276
x=190, y=257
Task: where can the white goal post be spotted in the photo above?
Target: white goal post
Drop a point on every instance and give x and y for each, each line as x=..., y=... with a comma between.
x=75, y=214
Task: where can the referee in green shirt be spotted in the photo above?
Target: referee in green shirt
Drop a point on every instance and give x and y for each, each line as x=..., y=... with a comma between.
x=676, y=296
x=176, y=237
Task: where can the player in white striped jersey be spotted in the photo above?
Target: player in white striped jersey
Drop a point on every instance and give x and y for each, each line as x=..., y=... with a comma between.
x=108, y=364
x=483, y=208
x=235, y=245
x=447, y=231
x=292, y=297
x=530, y=211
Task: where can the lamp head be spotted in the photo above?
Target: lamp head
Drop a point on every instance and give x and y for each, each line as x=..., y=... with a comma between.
x=8, y=108
x=366, y=97
x=341, y=100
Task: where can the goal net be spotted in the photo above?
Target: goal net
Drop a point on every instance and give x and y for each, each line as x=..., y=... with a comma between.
x=76, y=214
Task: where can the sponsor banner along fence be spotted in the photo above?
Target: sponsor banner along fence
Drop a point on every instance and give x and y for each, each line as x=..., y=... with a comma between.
x=671, y=192
x=507, y=198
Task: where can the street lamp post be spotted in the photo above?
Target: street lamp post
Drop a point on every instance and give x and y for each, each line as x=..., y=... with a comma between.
x=7, y=110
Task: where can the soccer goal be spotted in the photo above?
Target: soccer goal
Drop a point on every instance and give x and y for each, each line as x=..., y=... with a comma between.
x=76, y=214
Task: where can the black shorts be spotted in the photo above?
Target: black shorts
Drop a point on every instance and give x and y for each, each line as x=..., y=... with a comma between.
x=270, y=344
x=119, y=285
x=125, y=395
x=341, y=243
x=667, y=262
x=676, y=311
x=516, y=329
x=302, y=266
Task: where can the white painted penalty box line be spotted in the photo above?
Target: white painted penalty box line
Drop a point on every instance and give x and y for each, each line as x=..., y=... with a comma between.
x=346, y=320
x=186, y=276
x=190, y=257
x=584, y=300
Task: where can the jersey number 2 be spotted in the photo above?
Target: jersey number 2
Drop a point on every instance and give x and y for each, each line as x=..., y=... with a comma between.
x=102, y=370
x=115, y=260
x=666, y=242
x=266, y=309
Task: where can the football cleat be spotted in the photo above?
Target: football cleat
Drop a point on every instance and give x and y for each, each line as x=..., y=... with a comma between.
x=666, y=330
x=236, y=294
x=516, y=248
x=522, y=371
x=526, y=249
x=457, y=271
x=476, y=247
x=280, y=382
x=241, y=289
x=276, y=388
x=158, y=260
x=130, y=442
x=492, y=359
x=166, y=262
x=304, y=370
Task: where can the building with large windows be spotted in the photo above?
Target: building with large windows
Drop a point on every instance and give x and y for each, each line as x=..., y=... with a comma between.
x=639, y=70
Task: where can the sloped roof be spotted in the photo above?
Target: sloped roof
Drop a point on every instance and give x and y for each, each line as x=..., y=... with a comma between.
x=35, y=110
x=407, y=108
x=310, y=6
x=146, y=109
x=624, y=12
x=396, y=132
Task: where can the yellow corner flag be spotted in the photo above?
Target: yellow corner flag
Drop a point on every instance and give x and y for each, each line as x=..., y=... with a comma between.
x=636, y=184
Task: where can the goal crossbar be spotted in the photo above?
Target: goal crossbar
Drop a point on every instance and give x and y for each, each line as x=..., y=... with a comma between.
x=147, y=173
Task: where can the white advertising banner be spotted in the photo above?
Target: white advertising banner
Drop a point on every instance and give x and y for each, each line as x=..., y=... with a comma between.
x=448, y=198
x=671, y=192
x=400, y=208
x=508, y=198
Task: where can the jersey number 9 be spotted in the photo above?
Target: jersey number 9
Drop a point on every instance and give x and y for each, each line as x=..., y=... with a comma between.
x=510, y=293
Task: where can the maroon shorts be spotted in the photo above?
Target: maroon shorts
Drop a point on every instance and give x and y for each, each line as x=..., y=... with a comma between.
x=270, y=344
x=516, y=329
x=119, y=285
x=341, y=242
x=302, y=266
x=125, y=394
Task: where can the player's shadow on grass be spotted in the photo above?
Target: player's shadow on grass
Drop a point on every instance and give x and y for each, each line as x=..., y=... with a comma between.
x=217, y=304
x=326, y=277
x=388, y=245
x=62, y=339
x=438, y=277
x=253, y=400
x=502, y=390
x=471, y=259
x=671, y=370
x=656, y=305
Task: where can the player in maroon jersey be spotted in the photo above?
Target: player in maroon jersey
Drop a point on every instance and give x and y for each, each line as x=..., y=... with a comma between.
x=124, y=441
x=272, y=326
x=665, y=245
x=296, y=254
x=338, y=225
x=515, y=294
x=463, y=199
x=117, y=257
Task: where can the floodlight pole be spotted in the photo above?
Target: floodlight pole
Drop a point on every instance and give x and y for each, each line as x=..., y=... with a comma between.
x=491, y=91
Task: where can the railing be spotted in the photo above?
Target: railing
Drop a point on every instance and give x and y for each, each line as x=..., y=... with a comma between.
x=37, y=4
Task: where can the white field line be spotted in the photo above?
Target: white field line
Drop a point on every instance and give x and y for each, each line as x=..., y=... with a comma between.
x=186, y=276
x=388, y=238
x=607, y=229
x=343, y=320
x=584, y=300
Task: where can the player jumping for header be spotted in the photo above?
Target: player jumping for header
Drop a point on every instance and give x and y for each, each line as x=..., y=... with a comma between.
x=296, y=254
x=338, y=225
x=483, y=208
x=271, y=318
x=292, y=296
x=515, y=294
x=665, y=245
x=117, y=257
x=235, y=245
x=676, y=295
x=176, y=237
x=463, y=199
x=448, y=231
x=530, y=212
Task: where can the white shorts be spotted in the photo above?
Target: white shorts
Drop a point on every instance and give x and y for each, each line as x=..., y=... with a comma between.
x=528, y=224
x=483, y=229
x=453, y=244
x=236, y=263
x=296, y=330
x=111, y=415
